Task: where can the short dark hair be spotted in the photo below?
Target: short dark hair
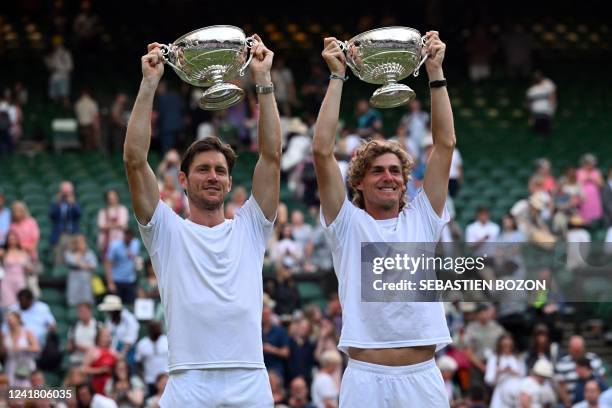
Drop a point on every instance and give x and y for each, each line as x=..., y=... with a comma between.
x=584, y=362
x=205, y=145
x=25, y=294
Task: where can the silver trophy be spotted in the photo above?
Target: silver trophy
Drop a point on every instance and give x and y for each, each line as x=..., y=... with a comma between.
x=385, y=56
x=211, y=57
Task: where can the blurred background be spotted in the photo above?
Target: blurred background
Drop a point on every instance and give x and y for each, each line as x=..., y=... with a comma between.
x=530, y=88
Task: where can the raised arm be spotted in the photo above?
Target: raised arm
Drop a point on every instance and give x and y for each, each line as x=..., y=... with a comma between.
x=329, y=178
x=435, y=183
x=266, y=177
x=142, y=181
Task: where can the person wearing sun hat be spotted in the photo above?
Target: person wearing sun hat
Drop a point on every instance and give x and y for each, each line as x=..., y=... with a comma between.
x=122, y=324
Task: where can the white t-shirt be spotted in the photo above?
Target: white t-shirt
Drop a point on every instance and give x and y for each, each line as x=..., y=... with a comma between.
x=456, y=163
x=477, y=231
x=126, y=332
x=538, y=96
x=541, y=394
x=211, y=286
x=154, y=356
x=384, y=324
x=323, y=388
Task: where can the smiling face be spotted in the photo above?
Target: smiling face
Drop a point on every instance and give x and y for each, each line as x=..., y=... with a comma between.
x=208, y=182
x=383, y=184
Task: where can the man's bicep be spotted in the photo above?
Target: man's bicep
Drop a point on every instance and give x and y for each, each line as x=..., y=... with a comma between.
x=143, y=190
x=330, y=185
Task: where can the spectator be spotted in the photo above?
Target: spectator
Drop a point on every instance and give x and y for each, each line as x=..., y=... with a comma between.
x=86, y=28
x=26, y=228
x=160, y=386
x=20, y=346
x=298, y=146
x=74, y=376
x=566, y=369
x=126, y=389
x=120, y=267
x=11, y=118
x=170, y=164
x=369, y=120
x=504, y=369
x=65, y=214
x=517, y=45
x=81, y=261
x=416, y=123
x=298, y=394
x=112, y=221
x=59, y=62
x=510, y=232
x=540, y=347
x=148, y=286
x=591, y=181
x=123, y=326
x=480, y=48
x=35, y=315
x=536, y=390
x=286, y=251
x=284, y=87
x=275, y=343
x=448, y=367
x=481, y=338
x=318, y=254
x=403, y=138
x=82, y=336
x=301, y=351
x=118, y=123
x=543, y=171
x=567, y=200
x=606, y=194
x=37, y=379
x=592, y=392
x=605, y=399
x=88, y=397
x=325, y=391
x=152, y=353
x=286, y=293
x=87, y=114
x=482, y=233
x=239, y=197
x=542, y=100
x=278, y=389
x=5, y=218
x=302, y=232
x=100, y=360
x=171, y=195
x=16, y=263
x=169, y=105
x=585, y=375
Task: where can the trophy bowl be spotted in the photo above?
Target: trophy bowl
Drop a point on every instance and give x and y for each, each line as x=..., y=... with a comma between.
x=211, y=57
x=385, y=56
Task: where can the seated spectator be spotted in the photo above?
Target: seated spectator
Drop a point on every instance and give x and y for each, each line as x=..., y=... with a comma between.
x=301, y=351
x=239, y=197
x=35, y=314
x=510, y=232
x=275, y=343
x=152, y=354
x=592, y=393
x=482, y=233
x=481, y=338
x=566, y=372
x=567, y=200
x=540, y=347
x=82, y=336
x=100, y=360
x=112, y=221
x=126, y=389
x=20, y=347
x=87, y=396
x=448, y=368
x=536, y=389
x=585, y=375
x=26, y=227
x=504, y=369
x=538, y=192
x=286, y=250
x=81, y=261
x=543, y=171
x=302, y=232
x=65, y=214
x=590, y=179
x=298, y=394
x=123, y=325
x=5, y=218
x=160, y=386
x=120, y=267
x=16, y=263
x=325, y=391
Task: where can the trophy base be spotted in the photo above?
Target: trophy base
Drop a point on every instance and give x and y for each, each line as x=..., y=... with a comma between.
x=391, y=95
x=220, y=96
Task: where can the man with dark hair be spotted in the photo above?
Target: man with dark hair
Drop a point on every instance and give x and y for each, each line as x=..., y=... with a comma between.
x=209, y=268
x=36, y=315
x=391, y=345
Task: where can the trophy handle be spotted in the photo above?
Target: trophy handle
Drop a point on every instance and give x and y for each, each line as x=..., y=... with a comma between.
x=168, y=56
x=250, y=43
x=416, y=70
x=344, y=47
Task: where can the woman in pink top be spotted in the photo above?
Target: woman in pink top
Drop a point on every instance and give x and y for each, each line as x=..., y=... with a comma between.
x=26, y=228
x=589, y=178
x=112, y=221
x=16, y=263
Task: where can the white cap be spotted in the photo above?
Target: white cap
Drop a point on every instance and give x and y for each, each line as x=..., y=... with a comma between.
x=543, y=368
x=111, y=303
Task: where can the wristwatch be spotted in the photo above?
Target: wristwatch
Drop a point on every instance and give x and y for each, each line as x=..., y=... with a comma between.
x=264, y=89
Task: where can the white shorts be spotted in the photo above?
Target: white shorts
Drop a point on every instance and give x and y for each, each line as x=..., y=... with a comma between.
x=223, y=387
x=377, y=386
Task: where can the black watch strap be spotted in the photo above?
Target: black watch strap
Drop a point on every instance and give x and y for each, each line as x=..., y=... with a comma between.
x=437, y=84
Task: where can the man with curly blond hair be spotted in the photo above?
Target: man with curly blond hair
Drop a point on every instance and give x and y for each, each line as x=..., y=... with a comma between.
x=390, y=345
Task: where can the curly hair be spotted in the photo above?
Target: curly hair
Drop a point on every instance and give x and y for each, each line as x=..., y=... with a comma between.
x=362, y=160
